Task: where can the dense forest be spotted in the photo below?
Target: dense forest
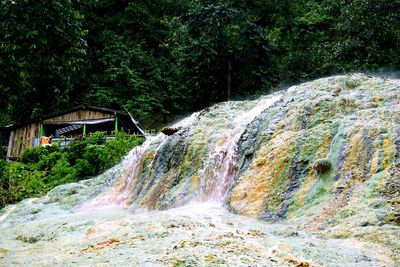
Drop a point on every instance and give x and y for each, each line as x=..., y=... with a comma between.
x=175, y=55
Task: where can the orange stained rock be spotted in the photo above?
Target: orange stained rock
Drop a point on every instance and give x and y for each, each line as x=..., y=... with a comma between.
x=312, y=179
x=296, y=262
x=108, y=242
x=375, y=162
x=260, y=182
x=388, y=148
x=315, y=221
x=356, y=159
x=152, y=197
x=222, y=140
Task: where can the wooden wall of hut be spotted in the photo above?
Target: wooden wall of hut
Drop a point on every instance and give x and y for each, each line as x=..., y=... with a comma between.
x=21, y=139
x=80, y=115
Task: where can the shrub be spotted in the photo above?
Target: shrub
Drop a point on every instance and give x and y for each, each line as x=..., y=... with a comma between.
x=117, y=148
x=19, y=182
x=3, y=165
x=62, y=172
x=75, y=151
x=42, y=168
x=93, y=154
x=83, y=168
x=47, y=162
x=97, y=138
x=321, y=166
x=33, y=155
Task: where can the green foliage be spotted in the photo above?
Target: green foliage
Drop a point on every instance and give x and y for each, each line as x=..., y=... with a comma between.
x=221, y=51
x=314, y=38
x=38, y=153
x=116, y=148
x=366, y=32
x=62, y=172
x=42, y=168
x=97, y=138
x=128, y=66
x=41, y=53
x=19, y=181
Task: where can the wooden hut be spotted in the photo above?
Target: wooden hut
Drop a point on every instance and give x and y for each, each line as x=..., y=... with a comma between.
x=67, y=125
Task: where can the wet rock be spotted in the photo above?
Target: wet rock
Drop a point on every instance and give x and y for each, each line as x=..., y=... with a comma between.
x=169, y=130
x=336, y=91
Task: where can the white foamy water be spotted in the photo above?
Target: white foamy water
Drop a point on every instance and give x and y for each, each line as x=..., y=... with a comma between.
x=120, y=193
x=225, y=156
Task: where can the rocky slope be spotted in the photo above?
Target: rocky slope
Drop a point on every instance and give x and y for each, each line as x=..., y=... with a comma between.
x=316, y=166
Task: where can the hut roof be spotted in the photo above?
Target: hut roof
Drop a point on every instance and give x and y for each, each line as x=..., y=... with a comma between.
x=66, y=111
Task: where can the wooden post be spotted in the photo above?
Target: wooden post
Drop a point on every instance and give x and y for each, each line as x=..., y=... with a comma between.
x=40, y=131
x=10, y=145
x=116, y=124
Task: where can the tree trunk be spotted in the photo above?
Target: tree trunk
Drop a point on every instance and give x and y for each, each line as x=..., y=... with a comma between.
x=229, y=92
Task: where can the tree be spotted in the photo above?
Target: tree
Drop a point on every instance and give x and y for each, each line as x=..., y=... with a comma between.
x=41, y=53
x=221, y=52
x=129, y=66
x=366, y=33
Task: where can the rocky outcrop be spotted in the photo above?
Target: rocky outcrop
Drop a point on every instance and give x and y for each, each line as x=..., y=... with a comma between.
x=323, y=157
x=355, y=130
x=169, y=130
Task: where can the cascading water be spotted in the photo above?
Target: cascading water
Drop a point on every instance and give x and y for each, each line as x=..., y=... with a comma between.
x=119, y=194
x=217, y=169
x=224, y=159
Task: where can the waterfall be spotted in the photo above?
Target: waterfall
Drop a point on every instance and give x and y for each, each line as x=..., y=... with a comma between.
x=143, y=180
x=119, y=194
x=224, y=158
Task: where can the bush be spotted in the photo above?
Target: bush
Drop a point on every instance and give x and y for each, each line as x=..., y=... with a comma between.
x=321, y=166
x=97, y=138
x=33, y=155
x=76, y=150
x=19, y=182
x=42, y=168
x=3, y=165
x=93, y=154
x=83, y=168
x=62, y=172
x=46, y=162
x=117, y=148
